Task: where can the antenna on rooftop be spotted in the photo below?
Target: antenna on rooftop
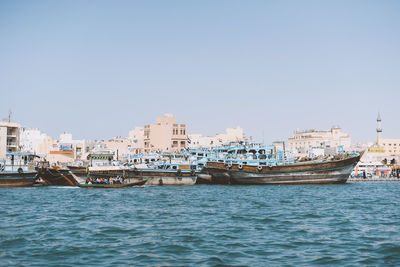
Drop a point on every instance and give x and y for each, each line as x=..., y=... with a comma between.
x=9, y=115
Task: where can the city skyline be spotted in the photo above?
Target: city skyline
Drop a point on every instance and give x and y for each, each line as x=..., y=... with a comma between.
x=98, y=70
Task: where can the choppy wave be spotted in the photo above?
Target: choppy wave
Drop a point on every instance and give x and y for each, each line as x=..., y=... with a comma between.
x=351, y=224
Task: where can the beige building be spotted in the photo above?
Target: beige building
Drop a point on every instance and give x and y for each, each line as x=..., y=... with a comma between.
x=231, y=135
x=165, y=135
x=66, y=150
x=120, y=147
x=334, y=139
x=390, y=147
x=391, y=152
x=9, y=138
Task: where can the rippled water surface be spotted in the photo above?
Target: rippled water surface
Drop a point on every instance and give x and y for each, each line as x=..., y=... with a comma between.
x=350, y=224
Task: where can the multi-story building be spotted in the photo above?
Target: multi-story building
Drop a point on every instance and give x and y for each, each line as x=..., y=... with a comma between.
x=165, y=135
x=137, y=138
x=66, y=149
x=231, y=135
x=392, y=148
x=31, y=140
x=9, y=138
x=333, y=141
x=121, y=147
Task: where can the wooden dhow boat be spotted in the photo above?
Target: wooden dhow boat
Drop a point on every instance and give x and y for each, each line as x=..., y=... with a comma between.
x=140, y=183
x=55, y=175
x=152, y=176
x=18, y=170
x=328, y=171
x=156, y=172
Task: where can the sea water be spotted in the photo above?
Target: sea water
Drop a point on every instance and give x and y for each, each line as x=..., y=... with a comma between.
x=351, y=224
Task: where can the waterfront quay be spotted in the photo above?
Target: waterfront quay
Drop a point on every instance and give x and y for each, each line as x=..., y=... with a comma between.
x=374, y=179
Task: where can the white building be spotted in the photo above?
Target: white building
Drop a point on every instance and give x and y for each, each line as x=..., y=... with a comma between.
x=137, y=138
x=32, y=139
x=332, y=141
x=231, y=135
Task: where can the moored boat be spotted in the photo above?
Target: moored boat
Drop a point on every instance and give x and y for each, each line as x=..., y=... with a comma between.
x=152, y=176
x=335, y=170
x=16, y=179
x=18, y=170
x=165, y=177
x=54, y=175
x=140, y=183
x=79, y=173
x=164, y=169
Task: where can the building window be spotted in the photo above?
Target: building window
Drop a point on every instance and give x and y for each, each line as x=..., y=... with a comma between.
x=182, y=143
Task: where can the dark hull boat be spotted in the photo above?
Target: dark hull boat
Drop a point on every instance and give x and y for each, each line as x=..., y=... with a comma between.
x=153, y=176
x=113, y=185
x=17, y=179
x=166, y=177
x=311, y=172
x=55, y=176
x=79, y=173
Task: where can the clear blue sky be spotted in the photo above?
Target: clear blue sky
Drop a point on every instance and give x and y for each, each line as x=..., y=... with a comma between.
x=99, y=68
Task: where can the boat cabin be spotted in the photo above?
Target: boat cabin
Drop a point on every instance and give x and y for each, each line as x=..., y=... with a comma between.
x=101, y=158
x=19, y=162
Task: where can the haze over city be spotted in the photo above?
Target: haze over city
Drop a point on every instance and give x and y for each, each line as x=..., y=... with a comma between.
x=97, y=69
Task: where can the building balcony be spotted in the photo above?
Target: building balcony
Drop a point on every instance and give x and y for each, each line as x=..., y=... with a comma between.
x=11, y=136
x=11, y=145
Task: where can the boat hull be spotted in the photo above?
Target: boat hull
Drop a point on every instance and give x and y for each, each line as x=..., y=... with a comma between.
x=79, y=173
x=328, y=172
x=112, y=185
x=203, y=178
x=15, y=179
x=164, y=177
x=56, y=176
x=165, y=180
x=153, y=176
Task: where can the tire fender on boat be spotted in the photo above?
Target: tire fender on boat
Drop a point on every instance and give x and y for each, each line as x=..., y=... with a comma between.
x=20, y=170
x=240, y=166
x=229, y=165
x=270, y=166
x=260, y=168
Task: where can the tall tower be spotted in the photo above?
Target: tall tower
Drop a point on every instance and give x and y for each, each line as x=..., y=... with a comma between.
x=378, y=129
